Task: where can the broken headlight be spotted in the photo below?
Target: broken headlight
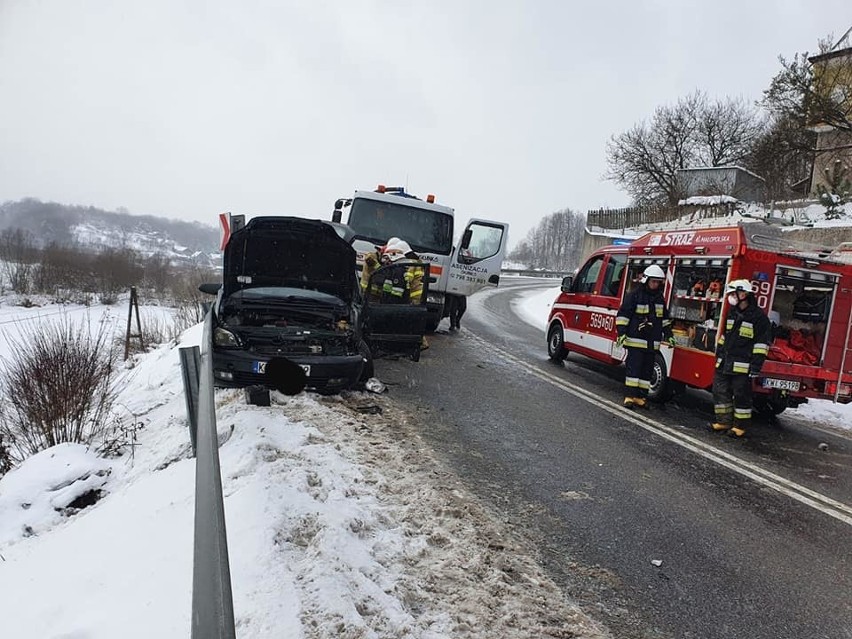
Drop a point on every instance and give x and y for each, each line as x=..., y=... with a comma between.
x=224, y=338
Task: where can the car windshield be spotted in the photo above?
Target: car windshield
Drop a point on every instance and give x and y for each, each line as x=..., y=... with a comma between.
x=424, y=230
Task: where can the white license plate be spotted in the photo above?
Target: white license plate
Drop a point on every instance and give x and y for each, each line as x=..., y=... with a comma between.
x=782, y=384
x=259, y=368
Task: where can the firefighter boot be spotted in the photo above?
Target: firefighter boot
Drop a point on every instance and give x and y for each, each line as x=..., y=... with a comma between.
x=628, y=402
x=717, y=427
x=640, y=402
x=737, y=431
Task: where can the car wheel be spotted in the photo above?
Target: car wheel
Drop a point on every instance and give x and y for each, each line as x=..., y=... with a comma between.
x=662, y=389
x=556, y=350
x=369, y=369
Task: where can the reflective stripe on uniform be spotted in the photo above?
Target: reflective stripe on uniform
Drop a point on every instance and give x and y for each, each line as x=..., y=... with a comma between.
x=740, y=367
x=760, y=349
x=635, y=342
x=643, y=309
x=747, y=330
x=667, y=322
x=723, y=409
x=644, y=384
x=658, y=310
x=622, y=321
x=632, y=382
x=742, y=413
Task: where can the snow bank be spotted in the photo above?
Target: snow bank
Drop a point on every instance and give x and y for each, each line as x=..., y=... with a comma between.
x=825, y=413
x=34, y=496
x=708, y=200
x=534, y=306
x=339, y=525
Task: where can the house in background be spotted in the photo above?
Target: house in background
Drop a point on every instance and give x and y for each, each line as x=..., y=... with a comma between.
x=832, y=77
x=733, y=181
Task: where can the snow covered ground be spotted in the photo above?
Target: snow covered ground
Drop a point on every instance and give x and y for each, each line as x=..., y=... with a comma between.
x=534, y=308
x=340, y=524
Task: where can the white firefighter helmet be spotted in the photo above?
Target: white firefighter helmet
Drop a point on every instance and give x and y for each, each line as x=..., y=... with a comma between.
x=653, y=272
x=738, y=285
x=395, y=249
x=403, y=246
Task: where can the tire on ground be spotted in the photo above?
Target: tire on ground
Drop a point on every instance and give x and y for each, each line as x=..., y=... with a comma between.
x=662, y=388
x=556, y=350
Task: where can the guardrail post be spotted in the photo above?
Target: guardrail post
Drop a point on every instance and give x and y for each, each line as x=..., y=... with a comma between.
x=190, y=368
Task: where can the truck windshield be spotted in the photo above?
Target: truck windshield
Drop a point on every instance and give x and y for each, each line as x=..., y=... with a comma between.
x=425, y=231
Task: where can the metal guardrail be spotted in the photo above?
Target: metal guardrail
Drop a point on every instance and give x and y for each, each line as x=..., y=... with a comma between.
x=534, y=273
x=212, y=601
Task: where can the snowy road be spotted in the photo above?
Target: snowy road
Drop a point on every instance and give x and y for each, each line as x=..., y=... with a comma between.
x=758, y=547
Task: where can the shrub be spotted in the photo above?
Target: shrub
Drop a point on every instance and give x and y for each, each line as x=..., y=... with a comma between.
x=58, y=386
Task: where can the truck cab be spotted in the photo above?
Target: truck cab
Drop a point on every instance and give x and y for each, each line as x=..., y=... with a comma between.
x=376, y=216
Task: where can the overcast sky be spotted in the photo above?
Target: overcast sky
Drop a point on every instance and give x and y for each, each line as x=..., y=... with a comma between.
x=500, y=108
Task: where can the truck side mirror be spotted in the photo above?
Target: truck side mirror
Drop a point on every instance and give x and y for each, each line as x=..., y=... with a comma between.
x=567, y=283
x=337, y=214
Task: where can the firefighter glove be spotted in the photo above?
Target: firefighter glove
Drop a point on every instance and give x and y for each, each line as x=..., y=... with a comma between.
x=620, y=341
x=671, y=342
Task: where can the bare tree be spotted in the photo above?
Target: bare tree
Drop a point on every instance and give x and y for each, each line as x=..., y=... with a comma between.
x=694, y=132
x=727, y=131
x=783, y=156
x=17, y=256
x=814, y=90
x=555, y=243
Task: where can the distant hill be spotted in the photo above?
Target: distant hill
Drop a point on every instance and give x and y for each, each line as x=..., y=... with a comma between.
x=182, y=242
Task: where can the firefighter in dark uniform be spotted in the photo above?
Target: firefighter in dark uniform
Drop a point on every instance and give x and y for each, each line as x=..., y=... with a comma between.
x=740, y=353
x=643, y=323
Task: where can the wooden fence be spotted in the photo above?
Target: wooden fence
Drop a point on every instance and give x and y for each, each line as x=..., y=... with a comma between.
x=633, y=217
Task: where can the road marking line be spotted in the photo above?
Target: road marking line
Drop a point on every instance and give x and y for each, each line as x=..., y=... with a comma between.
x=836, y=509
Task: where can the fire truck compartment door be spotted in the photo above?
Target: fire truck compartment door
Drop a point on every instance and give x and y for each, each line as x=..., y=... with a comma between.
x=478, y=259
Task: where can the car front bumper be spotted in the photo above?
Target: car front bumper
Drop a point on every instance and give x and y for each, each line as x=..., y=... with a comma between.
x=234, y=368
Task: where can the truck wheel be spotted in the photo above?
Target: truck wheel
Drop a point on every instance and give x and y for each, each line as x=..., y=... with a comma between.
x=556, y=350
x=769, y=404
x=662, y=389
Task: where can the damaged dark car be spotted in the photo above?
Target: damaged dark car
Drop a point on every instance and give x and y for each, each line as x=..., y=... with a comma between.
x=289, y=294
x=290, y=306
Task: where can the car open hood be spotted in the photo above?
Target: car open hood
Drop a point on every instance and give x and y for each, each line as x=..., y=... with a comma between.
x=289, y=251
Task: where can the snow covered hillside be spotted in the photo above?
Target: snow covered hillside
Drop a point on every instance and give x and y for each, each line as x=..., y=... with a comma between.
x=340, y=524
x=51, y=222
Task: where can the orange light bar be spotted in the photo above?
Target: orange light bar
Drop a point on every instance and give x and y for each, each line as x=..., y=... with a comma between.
x=430, y=198
x=381, y=188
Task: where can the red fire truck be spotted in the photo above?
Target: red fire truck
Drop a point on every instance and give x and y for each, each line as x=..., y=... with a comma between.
x=806, y=291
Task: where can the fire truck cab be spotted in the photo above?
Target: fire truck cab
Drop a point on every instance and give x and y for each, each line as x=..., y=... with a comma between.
x=805, y=291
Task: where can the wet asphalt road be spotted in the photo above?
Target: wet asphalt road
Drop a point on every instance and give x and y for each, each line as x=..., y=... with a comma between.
x=602, y=497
